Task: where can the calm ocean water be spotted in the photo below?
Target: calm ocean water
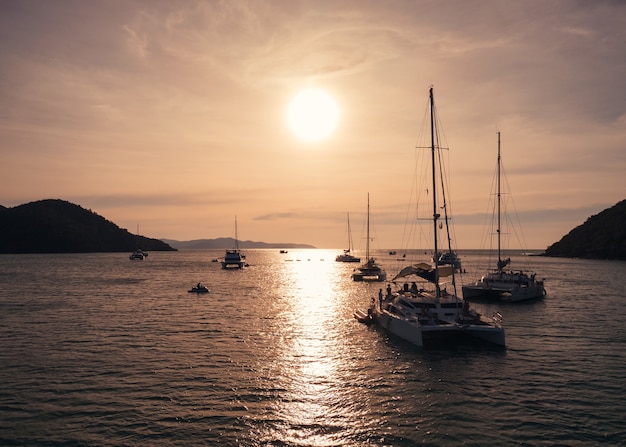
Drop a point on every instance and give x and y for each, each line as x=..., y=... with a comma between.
x=97, y=350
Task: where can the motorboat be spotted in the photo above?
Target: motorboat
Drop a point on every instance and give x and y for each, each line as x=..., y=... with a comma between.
x=499, y=283
x=429, y=315
x=370, y=271
x=199, y=289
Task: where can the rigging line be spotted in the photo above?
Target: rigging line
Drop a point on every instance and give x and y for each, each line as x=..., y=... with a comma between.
x=488, y=230
x=416, y=234
x=445, y=210
x=413, y=208
x=516, y=226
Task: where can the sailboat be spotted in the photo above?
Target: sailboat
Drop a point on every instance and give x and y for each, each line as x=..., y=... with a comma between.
x=234, y=258
x=507, y=286
x=138, y=254
x=370, y=271
x=346, y=256
x=429, y=316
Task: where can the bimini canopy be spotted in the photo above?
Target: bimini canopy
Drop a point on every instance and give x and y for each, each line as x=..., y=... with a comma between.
x=503, y=263
x=425, y=271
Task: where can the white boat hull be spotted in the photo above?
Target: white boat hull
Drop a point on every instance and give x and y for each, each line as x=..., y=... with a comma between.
x=369, y=277
x=411, y=332
x=232, y=265
x=421, y=335
x=511, y=294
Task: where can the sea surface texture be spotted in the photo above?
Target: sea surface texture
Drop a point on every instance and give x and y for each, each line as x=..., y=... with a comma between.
x=98, y=350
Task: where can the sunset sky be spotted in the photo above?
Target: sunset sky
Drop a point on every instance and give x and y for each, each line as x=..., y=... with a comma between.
x=172, y=115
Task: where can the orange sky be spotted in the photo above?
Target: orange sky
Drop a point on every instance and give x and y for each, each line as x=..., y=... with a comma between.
x=171, y=115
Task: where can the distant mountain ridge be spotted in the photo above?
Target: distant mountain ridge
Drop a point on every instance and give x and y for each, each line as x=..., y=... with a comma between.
x=58, y=226
x=224, y=243
x=602, y=236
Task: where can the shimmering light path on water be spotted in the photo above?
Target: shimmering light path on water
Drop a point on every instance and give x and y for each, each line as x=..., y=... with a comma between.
x=98, y=350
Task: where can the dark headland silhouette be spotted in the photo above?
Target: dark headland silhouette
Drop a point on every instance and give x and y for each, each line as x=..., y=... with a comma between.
x=58, y=226
x=602, y=236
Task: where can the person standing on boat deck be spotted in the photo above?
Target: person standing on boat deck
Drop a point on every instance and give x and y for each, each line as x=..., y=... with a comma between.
x=380, y=296
x=388, y=289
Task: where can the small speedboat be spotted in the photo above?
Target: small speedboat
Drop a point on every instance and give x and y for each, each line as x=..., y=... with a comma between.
x=199, y=288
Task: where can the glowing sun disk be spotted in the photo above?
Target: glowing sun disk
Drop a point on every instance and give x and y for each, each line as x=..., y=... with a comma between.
x=313, y=114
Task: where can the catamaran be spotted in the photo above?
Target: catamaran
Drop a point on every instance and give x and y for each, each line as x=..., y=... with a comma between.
x=347, y=256
x=430, y=315
x=370, y=271
x=500, y=283
x=234, y=258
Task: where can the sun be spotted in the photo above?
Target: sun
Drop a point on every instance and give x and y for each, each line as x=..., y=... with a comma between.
x=313, y=114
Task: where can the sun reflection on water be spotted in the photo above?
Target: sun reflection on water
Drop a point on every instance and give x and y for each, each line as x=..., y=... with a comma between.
x=314, y=407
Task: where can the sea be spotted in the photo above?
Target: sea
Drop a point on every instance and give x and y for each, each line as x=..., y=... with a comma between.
x=98, y=350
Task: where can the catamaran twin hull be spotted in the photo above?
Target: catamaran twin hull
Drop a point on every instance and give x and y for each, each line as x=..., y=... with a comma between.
x=507, y=290
x=233, y=260
x=440, y=334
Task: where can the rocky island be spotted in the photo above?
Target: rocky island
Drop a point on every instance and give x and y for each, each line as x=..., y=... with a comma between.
x=602, y=236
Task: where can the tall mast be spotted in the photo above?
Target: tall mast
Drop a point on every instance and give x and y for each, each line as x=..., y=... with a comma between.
x=499, y=230
x=367, y=244
x=349, y=235
x=236, y=238
x=435, y=214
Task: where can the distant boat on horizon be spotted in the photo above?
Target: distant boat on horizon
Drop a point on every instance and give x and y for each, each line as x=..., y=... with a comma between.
x=370, y=271
x=347, y=256
x=234, y=258
x=138, y=254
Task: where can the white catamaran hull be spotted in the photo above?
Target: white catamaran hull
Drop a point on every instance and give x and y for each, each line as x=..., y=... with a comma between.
x=512, y=294
x=409, y=331
x=417, y=334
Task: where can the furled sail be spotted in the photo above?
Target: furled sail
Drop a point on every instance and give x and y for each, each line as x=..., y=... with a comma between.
x=425, y=271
